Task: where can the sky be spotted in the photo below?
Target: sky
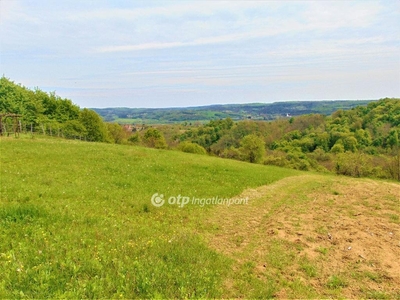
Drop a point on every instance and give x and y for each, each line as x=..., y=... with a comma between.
x=191, y=53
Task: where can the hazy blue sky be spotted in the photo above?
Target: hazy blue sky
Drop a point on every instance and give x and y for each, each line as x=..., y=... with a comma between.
x=187, y=53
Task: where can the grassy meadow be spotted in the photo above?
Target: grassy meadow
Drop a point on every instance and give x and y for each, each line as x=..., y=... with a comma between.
x=76, y=221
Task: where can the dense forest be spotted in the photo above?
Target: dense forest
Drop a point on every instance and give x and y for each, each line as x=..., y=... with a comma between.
x=360, y=142
x=203, y=114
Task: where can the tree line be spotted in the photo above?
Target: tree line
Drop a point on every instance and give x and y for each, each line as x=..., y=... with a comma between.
x=253, y=111
x=363, y=141
x=48, y=113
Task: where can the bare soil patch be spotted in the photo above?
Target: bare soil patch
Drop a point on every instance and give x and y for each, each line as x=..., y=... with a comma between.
x=314, y=236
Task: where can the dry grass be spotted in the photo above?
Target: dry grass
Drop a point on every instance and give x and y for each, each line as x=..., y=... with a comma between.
x=313, y=236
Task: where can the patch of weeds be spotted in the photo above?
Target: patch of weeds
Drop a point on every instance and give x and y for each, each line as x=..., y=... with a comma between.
x=310, y=239
x=301, y=290
x=351, y=213
x=252, y=285
x=391, y=198
x=371, y=294
x=377, y=207
x=336, y=193
x=322, y=230
x=309, y=269
x=90, y=221
x=330, y=202
x=24, y=199
x=20, y=213
x=297, y=224
x=394, y=218
x=322, y=250
x=145, y=208
x=336, y=282
x=238, y=240
x=279, y=255
x=373, y=276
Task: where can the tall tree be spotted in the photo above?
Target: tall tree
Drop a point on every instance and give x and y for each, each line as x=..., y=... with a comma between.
x=253, y=148
x=95, y=127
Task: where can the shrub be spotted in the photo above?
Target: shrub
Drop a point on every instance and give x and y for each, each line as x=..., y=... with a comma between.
x=337, y=148
x=154, y=138
x=353, y=164
x=189, y=147
x=134, y=139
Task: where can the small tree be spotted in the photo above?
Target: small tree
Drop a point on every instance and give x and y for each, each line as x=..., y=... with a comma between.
x=252, y=148
x=115, y=132
x=393, y=139
x=154, y=138
x=338, y=147
x=135, y=139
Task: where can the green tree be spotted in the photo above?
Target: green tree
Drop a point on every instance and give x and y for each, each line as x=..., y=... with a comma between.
x=154, y=138
x=363, y=137
x=115, y=132
x=135, y=139
x=73, y=129
x=349, y=142
x=338, y=147
x=252, y=148
x=95, y=127
x=322, y=141
x=393, y=138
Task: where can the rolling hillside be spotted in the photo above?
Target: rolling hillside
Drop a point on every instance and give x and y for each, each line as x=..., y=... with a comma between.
x=77, y=221
x=254, y=111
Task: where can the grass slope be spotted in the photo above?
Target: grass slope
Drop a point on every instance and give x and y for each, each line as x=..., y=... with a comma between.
x=76, y=220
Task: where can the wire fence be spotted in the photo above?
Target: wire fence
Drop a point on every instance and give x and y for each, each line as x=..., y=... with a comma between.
x=10, y=128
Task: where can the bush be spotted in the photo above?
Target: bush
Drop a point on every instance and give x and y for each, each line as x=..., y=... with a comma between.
x=115, y=132
x=154, y=138
x=134, y=139
x=74, y=129
x=337, y=148
x=189, y=147
x=231, y=153
x=353, y=164
x=319, y=155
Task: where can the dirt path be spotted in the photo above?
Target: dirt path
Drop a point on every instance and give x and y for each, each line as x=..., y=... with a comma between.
x=341, y=236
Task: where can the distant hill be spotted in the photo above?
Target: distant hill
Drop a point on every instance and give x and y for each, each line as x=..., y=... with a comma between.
x=254, y=111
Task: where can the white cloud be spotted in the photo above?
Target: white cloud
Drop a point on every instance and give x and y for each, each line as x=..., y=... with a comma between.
x=174, y=32
x=341, y=14
x=209, y=46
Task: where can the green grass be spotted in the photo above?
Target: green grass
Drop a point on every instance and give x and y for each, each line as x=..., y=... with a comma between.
x=309, y=269
x=394, y=218
x=76, y=220
x=336, y=282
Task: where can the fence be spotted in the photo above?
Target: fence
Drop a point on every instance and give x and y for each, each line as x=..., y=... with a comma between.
x=8, y=128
